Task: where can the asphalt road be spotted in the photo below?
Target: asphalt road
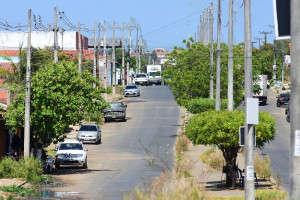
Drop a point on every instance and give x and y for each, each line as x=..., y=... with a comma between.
x=120, y=164
x=278, y=150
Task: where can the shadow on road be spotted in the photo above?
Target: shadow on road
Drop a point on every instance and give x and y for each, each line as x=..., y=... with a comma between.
x=78, y=170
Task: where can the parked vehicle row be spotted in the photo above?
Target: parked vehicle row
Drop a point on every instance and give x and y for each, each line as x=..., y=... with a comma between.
x=284, y=99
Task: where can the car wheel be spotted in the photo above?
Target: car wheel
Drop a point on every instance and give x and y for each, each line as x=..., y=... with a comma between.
x=85, y=165
x=124, y=119
x=56, y=166
x=278, y=104
x=105, y=120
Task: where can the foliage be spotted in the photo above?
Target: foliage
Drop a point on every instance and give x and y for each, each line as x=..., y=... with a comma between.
x=278, y=180
x=27, y=192
x=213, y=158
x=190, y=75
x=204, y=104
x=60, y=96
x=262, y=166
x=30, y=169
x=221, y=128
x=153, y=55
x=167, y=187
x=270, y=195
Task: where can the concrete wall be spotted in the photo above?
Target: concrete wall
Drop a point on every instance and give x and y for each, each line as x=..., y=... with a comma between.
x=39, y=39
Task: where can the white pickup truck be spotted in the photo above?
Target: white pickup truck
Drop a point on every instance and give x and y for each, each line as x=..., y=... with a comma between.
x=141, y=79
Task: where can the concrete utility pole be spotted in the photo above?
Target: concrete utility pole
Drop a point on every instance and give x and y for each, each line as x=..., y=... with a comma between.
x=282, y=62
x=275, y=62
x=218, y=68
x=95, y=54
x=98, y=54
x=230, y=58
x=129, y=54
x=139, y=56
x=55, y=36
x=137, y=50
x=204, y=27
x=104, y=60
x=295, y=102
x=259, y=39
x=265, y=33
x=28, y=88
x=198, y=30
x=130, y=40
x=207, y=26
x=249, y=137
x=123, y=59
x=114, y=63
x=211, y=84
x=79, y=49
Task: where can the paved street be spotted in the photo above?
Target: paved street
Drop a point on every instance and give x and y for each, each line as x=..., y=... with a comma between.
x=278, y=150
x=118, y=165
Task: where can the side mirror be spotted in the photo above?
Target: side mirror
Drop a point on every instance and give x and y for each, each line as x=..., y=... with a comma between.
x=85, y=149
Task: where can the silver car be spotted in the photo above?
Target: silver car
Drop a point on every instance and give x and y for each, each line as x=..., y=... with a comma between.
x=71, y=152
x=89, y=133
x=132, y=90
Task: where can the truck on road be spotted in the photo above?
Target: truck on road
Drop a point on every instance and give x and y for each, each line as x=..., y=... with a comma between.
x=154, y=73
x=260, y=89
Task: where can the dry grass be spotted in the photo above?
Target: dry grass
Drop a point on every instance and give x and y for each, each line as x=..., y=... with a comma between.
x=182, y=144
x=262, y=166
x=169, y=187
x=213, y=158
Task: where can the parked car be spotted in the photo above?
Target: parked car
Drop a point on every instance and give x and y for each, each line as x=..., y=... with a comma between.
x=71, y=152
x=283, y=99
x=141, y=79
x=132, y=90
x=288, y=116
x=89, y=133
x=287, y=108
x=116, y=110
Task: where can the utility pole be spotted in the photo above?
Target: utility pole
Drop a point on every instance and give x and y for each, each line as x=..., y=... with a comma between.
x=139, y=56
x=218, y=68
x=104, y=60
x=207, y=26
x=128, y=56
x=249, y=132
x=98, y=54
x=95, y=54
x=295, y=99
x=230, y=58
x=114, y=63
x=55, y=36
x=204, y=27
x=275, y=62
x=282, y=62
x=137, y=49
x=264, y=32
x=130, y=42
x=79, y=49
x=200, y=30
x=259, y=39
x=28, y=88
x=211, y=84
x=123, y=59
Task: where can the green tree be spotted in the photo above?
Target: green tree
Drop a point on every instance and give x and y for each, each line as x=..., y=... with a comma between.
x=191, y=71
x=153, y=55
x=60, y=96
x=221, y=128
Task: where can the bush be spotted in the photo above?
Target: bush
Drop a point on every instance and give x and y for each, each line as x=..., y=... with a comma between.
x=27, y=169
x=262, y=166
x=27, y=192
x=270, y=195
x=204, y=104
x=213, y=158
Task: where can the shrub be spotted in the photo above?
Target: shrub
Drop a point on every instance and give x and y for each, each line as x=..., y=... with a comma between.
x=182, y=144
x=270, y=195
x=27, y=169
x=27, y=192
x=213, y=158
x=262, y=166
x=204, y=104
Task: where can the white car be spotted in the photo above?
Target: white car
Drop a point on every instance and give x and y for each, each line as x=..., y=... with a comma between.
x=141, y=79
x=71, y=152
x=132, y=90
x=89, y=133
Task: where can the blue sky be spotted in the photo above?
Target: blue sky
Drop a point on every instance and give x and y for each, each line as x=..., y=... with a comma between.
x=164, y=23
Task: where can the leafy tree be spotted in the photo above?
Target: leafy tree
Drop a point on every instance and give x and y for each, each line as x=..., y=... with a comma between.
x=60, y=96
x=153, y=55
x=221, y=128
x=190, y=75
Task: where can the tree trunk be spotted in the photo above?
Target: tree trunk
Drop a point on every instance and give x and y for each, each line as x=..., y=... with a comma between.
x=230, y=155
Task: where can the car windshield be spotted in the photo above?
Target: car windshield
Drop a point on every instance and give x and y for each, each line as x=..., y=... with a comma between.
x=116, y=105
x=88, y=128
x=70, y=146
x=284, y=95
x=141, y=75
x=131, y=87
